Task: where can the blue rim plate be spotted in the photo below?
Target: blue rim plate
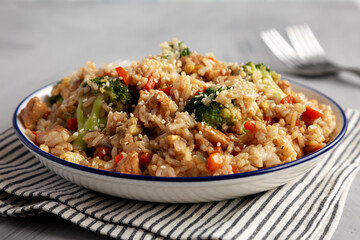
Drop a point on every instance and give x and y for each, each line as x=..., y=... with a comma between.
x=29, y=144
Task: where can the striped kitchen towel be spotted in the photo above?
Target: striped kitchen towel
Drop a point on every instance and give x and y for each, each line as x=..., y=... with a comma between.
x=308, y=208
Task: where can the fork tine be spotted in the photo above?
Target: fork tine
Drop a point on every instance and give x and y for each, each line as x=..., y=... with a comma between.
x=307, y=57
x=305, y=43
x=311, y=37
x=298, y=42
x=277, y=44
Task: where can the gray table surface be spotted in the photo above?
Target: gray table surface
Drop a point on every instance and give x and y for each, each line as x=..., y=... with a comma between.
x=41, y=42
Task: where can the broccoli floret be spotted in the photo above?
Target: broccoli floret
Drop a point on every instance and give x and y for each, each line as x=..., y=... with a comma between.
x=212, y=113
x=175, y=49
x=115, y=92
x=55, y=99
x=268, y=80
x=111, y=90
x=184, y=52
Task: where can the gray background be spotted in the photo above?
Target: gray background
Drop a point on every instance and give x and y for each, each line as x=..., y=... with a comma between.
x=43, y=41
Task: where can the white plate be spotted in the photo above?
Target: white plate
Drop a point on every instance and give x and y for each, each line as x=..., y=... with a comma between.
x=182, y=189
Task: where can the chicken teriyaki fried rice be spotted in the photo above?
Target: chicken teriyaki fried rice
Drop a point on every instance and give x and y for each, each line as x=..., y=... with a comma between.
x=177, y=114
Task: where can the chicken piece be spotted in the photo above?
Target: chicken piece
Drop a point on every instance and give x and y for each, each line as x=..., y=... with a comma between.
x=285, y=86
x=130, y=164
x=218, y=69
x=155, y=102
x=53, y=137
x=213, y=135
x=193, y=58
x=34, y=110
x=163, y=103
x=194, y=62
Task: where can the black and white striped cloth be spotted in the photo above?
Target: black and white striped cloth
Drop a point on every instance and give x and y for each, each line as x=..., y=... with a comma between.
x=309, y=208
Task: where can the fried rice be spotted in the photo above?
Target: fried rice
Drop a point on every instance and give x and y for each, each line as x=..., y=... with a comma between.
x=177, y=114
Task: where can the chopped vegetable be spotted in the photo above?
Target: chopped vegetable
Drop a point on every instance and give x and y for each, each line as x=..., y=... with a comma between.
x=111, y=90
x=150, y=83
x=35, y=139
x=212, y=113
x=93, y=119
x=310, y=115
x=101, y=152
x=115, y=92
x=118, y=158
x=184, y=52
x=175, y=49
x=55, y=99
x=71, y=124
x=235, y=169
x=166, y=90
x=267, y=82
x=123, y=74
x=269, y=120
x=214, y=161
x=212, y=59
x=250, y=125
x=313, y=112
x=201, y=90
x=288, y=99
x=318, y=147
x=144, y=159
x=86, y=124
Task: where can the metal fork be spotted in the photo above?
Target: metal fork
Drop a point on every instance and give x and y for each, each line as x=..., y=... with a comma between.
x=305, y=56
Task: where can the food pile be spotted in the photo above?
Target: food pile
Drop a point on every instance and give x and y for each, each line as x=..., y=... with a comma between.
x=177, y=114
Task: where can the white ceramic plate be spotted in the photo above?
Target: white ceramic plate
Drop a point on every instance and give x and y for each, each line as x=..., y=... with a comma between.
x=182, y=189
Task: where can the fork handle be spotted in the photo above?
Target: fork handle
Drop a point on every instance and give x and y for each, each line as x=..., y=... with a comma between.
x=350, y=69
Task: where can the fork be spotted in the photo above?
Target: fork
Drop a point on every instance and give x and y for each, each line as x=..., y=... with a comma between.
x=305, y=56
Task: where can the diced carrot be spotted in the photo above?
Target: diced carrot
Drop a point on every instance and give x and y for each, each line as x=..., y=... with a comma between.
x=318, y=147
x=35, y=139
x=150, y=83
x=250, y=125
x=235, y=169
x=201, y=90
x=166, y=90
x=101, y=152
x=306, y=119
x=214, y=161
x=144, y=159
x=313, y=112
x=288, y=99
x=310, y=115
x=123, y=74
x=269, y=120
x=118, y=158
x=212, y=58
x=71, y=124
